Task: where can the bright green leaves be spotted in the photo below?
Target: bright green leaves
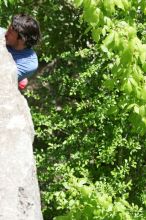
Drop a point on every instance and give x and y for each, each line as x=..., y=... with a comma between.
x=119, y=41
x=143, y=6
x=92, y=202
x=119, y=4
x=96, y=15
x=109, y=39
x=92, y=14
x=123, y=37
x=78, y=2
x=96, y=34
x=143, y=92
x=128, y=85
x=142, y=110
x=110, y=5
x=127, y=74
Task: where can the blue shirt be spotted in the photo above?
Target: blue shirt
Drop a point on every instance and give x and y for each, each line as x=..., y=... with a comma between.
x=26, y=61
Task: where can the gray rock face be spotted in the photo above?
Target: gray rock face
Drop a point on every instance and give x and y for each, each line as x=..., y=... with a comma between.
x=19, y=191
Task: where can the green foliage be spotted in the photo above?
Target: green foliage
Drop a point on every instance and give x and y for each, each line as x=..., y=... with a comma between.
x=113, y=26
x=80, y=132
x=6, y=2
x=89, y=202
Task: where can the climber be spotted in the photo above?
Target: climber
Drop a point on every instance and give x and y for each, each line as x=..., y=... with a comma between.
x=22, y=34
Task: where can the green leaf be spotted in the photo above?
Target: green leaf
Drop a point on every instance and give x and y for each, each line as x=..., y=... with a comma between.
x=136, y=109
x=126, y=56
x=144, y=67
x=119, y=4
x=117, y=40
x=104, y=49
x=109, y=39
x=78, y=2
x=143, y=92
x=96, y=34
x=109, y=84
x=126, y=4
x=132, y=33
x=92, y=16
x=6, y=2
x=142, y=110
x=133, y=82
x=127, y=86
x=109, y=6
x=137, y=73
x=113, y=110
x=144, y=120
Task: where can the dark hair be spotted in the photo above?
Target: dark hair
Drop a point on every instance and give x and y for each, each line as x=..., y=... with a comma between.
x=27, y=28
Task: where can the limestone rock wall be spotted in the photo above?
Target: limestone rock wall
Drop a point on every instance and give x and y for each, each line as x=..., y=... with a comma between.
x=19, y=191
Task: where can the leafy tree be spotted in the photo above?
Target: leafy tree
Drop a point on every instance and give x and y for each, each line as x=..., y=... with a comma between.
x=113, y=25
x=81, y=133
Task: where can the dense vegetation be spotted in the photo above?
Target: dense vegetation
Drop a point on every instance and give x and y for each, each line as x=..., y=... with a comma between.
x=89, y=107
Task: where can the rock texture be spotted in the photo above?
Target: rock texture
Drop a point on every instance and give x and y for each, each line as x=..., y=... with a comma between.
x=19, y=191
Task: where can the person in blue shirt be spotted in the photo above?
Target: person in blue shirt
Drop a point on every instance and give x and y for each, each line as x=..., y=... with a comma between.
x=22, y=34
